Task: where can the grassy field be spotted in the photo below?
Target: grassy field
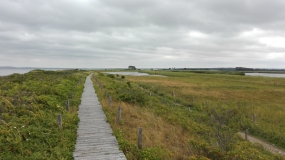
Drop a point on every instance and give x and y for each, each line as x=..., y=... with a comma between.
x=220, y=105
x=263, y=96
x=29, y=106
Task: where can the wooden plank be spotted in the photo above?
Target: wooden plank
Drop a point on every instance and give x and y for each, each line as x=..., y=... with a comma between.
x=94, y=136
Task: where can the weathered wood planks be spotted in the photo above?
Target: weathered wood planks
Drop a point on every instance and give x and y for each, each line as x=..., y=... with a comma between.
x=94, y=135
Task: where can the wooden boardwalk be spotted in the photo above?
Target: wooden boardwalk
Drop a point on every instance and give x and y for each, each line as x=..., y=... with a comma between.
x=94, y=135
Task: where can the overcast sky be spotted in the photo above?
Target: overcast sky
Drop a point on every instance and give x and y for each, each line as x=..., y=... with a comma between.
x=144, y=33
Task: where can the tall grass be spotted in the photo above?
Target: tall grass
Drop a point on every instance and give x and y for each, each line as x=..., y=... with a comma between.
x=170, y=130
x=263, y=96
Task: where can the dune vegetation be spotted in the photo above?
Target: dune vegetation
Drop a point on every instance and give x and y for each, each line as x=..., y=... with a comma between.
x=188, y=115
x=29, y=107
x=184, y=115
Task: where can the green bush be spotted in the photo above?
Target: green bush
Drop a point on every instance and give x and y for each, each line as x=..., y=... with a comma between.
x=28, y=127
x=110, y=76
x=131, y=95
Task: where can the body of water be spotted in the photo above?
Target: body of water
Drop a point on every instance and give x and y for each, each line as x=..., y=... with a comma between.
x=129, y=73
x=8, y=71
x=132, y=74
x=266, y=74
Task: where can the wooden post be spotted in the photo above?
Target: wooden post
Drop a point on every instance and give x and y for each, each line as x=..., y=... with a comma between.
x=140, y=138
x=67, y=105
x=149, y=93
x=173, y=94
x=59, y=121
x=189, y=109
x=110, y=100
x=245, y=134
x=0, y=112
x=119, y=115
x=254, y=118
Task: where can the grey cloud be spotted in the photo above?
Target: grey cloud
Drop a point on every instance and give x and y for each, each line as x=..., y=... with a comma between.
x=158, y=33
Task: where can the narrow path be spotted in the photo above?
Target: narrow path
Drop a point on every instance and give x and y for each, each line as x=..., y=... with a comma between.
x=94, y=135
x=265, y=145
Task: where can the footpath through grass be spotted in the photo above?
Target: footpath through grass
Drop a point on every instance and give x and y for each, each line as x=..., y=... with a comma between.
x=172, y=131
x=259, y=99
x=29, y=106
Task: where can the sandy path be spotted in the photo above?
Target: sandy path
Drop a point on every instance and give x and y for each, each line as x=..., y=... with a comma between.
x=266, y=145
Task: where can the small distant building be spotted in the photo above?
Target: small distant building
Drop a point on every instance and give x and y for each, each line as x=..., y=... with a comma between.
x=132, y=67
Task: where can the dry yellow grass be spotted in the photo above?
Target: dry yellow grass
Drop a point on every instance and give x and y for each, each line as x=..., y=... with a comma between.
x=168, y=133
x=262, y=96
x=224, y=90
x=156, y=131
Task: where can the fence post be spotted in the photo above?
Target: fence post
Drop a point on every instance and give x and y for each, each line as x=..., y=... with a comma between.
x=140, y=138
x=2, y=109
x=67, y=105
x=59, y=121
x=0, y=113
x=119, y=114
x=245, y=134
x=189, y=109
x=149, y=93
x=254, y=118
x=110, y=100
x=72, y=95
x=173, y=94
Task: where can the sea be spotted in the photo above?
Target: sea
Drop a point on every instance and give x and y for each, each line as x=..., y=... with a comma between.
x=8, y=71
x=266, y=75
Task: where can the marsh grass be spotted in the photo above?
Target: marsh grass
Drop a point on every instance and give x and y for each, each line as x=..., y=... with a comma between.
x=263, y=96
x=170, y=130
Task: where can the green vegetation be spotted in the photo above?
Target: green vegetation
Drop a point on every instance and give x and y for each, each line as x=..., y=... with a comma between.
x=220, y=106
x=29, y=105
x=262, y=96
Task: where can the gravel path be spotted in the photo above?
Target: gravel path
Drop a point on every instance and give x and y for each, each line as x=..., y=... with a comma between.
x=266, y=145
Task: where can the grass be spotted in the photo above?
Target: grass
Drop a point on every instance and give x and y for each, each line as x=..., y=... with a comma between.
x=262, y=96
x=29, y=107
x=172, y=132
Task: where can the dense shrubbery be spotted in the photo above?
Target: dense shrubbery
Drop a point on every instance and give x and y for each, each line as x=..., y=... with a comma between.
x=131, y=95
x=30, y=104
x=124, y=91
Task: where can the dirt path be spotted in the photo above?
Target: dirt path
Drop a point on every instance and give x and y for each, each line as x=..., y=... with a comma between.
x=266, y=145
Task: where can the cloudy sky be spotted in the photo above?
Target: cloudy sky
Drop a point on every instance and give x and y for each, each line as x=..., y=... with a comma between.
x=144, y=33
